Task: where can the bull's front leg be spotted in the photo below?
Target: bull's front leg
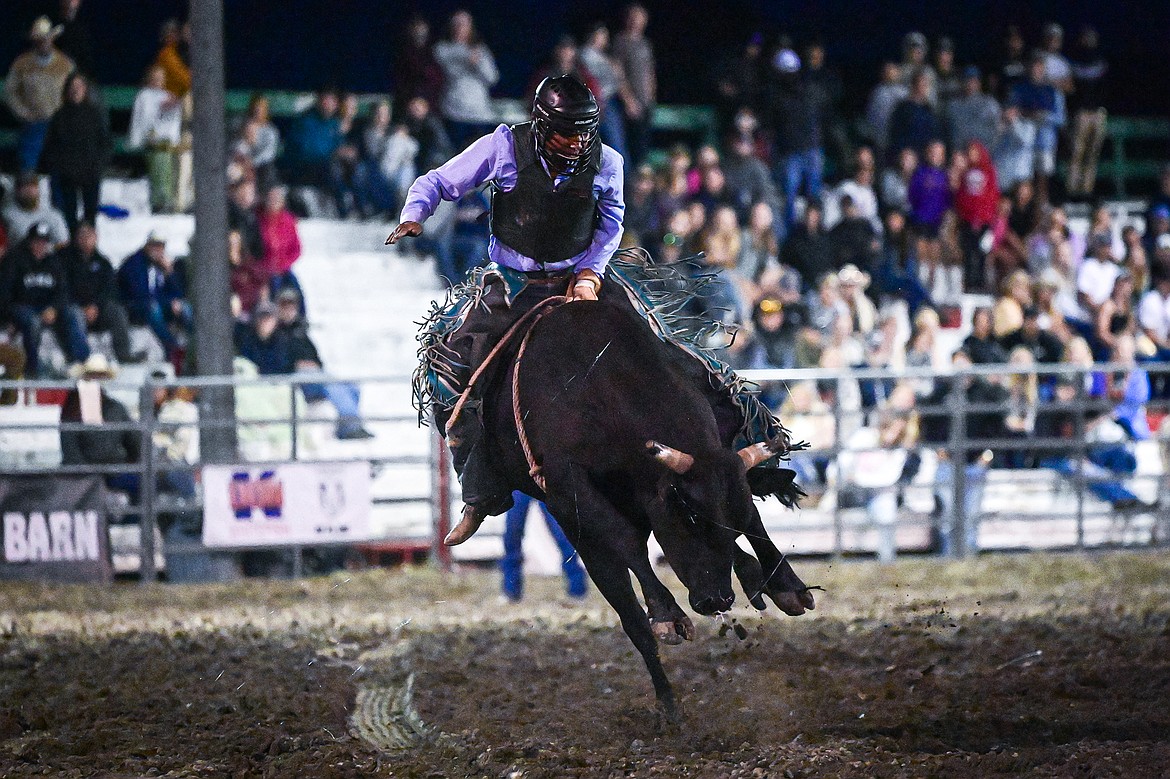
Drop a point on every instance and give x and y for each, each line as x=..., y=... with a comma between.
x=780, y=583
x=668, y=621
x=599, y=530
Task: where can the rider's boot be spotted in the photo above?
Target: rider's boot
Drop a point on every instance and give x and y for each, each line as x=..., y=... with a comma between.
x=482, y=492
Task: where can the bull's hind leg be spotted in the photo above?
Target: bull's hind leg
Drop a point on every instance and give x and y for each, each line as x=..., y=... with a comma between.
x=780, y=582
x=600, y=530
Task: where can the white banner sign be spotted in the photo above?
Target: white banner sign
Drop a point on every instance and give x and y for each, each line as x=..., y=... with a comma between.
x=288, y=504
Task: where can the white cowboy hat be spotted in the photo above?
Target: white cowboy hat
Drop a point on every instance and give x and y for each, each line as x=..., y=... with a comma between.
x=96, y=366
x=851, y=274
x=42, y=28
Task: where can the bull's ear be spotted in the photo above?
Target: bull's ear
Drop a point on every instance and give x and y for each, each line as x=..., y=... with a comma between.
x=679, y=462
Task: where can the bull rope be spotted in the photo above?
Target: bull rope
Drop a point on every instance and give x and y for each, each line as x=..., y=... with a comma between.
x=533, y=466
x=530, y=318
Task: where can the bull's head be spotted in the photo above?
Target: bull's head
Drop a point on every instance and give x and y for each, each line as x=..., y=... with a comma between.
x=699, y=513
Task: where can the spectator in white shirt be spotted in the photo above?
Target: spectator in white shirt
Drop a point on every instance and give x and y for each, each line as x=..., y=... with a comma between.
x=29, y=208
x=156, y=128
x=1154, y=315
x=1095, y=280
x=1057, y=70
x=469, y=71
x=859, y=187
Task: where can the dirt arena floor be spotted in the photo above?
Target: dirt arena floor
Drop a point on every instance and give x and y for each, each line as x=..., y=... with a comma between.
x=1041, y=666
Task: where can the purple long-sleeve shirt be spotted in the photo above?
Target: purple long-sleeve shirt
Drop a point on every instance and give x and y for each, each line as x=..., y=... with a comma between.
x=929, y=195
x=491, y=159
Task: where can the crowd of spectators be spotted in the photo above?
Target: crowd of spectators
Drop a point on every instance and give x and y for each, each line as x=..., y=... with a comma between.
x=52, y=275
x=832, y=240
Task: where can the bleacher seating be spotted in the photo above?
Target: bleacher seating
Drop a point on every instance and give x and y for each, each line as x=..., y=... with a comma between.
x=1130, y=160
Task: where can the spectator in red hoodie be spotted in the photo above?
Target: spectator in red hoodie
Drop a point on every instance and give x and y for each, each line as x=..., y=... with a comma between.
x=976, y=203
x=281, y=243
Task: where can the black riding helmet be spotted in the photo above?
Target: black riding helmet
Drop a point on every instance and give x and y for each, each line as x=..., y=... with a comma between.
x=565, y=106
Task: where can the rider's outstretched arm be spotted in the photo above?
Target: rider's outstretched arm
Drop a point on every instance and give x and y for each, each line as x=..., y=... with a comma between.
x=478, y=163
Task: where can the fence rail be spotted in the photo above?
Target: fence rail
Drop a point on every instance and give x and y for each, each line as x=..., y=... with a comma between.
x=1072, y=460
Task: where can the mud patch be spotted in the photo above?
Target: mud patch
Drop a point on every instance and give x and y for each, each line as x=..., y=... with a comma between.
x=1040, y=666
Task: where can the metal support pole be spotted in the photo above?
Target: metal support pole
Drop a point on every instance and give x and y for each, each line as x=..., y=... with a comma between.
x=212, y=295
x=292, y=392
x=1082, y=452
x=958, y=451
x=147, y=521
x=838, y=529
x=298, y=561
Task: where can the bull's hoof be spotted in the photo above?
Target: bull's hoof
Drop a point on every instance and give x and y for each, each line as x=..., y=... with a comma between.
x=790, y=603
x=669, y=715
x=789, y=592
x=674, y=632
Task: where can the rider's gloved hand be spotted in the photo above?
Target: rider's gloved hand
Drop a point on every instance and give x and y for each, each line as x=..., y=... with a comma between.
x=586, y=285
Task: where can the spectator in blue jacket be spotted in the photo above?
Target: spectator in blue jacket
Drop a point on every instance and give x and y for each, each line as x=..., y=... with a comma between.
x=264, y=343
x=1042, y=104
x=152, y=287
x=914, y=124
x=311, y=150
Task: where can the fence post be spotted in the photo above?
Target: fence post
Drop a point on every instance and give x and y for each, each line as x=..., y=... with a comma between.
x=838, y=528
x=957, y=445
x=440, y=498
x=146, y=518
x=292, y=392
x=1082, y=452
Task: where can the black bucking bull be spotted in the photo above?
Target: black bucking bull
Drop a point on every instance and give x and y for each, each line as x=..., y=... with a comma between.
x=626, y=444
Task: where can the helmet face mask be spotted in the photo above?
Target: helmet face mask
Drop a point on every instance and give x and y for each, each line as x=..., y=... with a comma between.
x=565, y=118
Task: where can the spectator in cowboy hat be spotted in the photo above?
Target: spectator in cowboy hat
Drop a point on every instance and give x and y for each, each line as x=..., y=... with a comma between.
x=33, y=89
x=90, y=441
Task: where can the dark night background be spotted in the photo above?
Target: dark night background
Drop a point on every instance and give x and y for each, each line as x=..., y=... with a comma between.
x=299, y=44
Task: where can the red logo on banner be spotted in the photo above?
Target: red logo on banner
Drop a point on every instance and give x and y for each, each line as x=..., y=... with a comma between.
x=265, y=494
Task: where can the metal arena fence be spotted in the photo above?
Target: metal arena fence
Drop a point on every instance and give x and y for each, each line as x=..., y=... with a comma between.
x=841, y=470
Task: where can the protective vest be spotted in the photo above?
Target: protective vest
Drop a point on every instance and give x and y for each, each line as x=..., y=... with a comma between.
x=537, y=220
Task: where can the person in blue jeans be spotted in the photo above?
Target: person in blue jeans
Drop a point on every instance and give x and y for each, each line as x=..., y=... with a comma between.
x=303, y=357
x=152, y=287
x=1102, y=459
x=34, y=294
x=796, y=119
x=512, y=563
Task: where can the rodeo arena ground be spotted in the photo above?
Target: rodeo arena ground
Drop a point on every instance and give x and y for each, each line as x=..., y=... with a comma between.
x=394, y=389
